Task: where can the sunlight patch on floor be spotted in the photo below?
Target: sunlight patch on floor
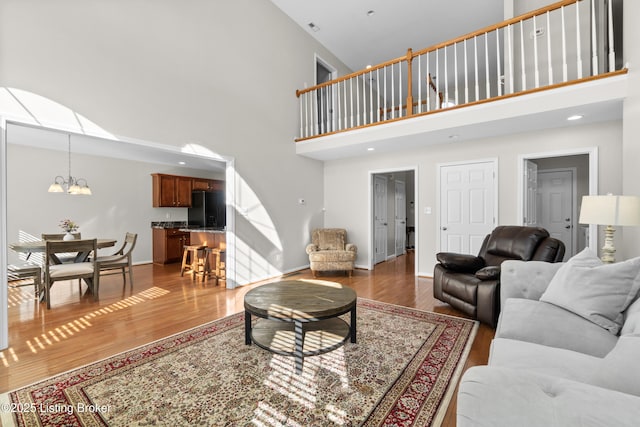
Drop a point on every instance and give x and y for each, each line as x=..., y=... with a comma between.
x=66, y=331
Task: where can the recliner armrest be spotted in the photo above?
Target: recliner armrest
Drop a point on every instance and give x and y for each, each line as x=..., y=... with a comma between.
x=351, y=247
x=462, y=263
x=491, y=272
x=311, y=248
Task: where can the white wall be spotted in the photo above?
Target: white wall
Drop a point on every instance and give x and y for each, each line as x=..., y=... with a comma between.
x=121, y=200
x=631, y=127
x=219, y=74
x=347, y=181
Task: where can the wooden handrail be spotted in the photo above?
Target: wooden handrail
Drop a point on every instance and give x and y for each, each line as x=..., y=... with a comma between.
x=479, y=102
x=410, y=54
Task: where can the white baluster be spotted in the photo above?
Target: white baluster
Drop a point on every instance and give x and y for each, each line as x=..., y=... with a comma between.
x=345, y=111
x=536, y=68
x=357, y=101
x=316, y=114
x=301, y=116
x=475, y=50
x=438, y=79
x=612, y=53
x=594, y=41
x=498, y=61
x=400, y=89
x=385, y=94
x=351, y=98
x=510, y=51
x=565, y=75
x=466, y=75
x=378, y=91
x=486, y=64
x=578, y=41
x=337, y=102
x=393, y=96
x=455, y=71
x=370, y=97
x=446, y=78
x=549, y=61
x=522, y=68
x=428, y=87
x=419, y=84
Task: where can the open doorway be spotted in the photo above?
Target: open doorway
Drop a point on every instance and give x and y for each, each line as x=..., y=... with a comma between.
x=393, y=215
x=325, y=72
x=552, y=188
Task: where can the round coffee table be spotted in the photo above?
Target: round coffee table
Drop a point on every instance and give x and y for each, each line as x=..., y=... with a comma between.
x=300, y=317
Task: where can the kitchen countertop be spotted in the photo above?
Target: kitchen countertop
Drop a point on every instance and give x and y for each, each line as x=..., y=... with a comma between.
x=195, y=229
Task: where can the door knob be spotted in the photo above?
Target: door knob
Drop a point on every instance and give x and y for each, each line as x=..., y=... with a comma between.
x=444, y=228
x=567, y=226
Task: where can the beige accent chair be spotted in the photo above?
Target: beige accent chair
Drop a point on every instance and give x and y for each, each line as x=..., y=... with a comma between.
x=329, y=251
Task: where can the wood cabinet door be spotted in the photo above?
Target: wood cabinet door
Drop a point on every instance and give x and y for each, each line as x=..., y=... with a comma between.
x=174, y=247
x=167, y=190
x=183, y=191
x=200, y=184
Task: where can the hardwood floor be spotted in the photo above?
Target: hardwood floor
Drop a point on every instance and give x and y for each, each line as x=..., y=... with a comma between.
x=77, y=330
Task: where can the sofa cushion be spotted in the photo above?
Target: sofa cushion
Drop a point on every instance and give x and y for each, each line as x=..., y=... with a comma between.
x=619, y=369
x=547, y=324
x=496, y=397
x=596, y=291
x=543, y=359
x=632, y=319
x=332, y=256
x=461, y=263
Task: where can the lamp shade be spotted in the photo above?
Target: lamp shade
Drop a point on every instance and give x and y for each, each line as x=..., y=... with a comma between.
x=610, y=210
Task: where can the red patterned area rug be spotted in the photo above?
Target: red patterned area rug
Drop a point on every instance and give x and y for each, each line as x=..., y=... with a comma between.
x=402, y=371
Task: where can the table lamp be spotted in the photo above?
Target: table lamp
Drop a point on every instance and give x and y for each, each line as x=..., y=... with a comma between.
x=610, y=210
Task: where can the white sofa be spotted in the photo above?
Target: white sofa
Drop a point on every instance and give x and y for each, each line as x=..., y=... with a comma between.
x=551, y=367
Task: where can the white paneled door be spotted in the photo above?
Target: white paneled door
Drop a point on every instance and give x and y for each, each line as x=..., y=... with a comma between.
x=401, y=217
x=555, y=205
x=380, y=217
x=467, y=205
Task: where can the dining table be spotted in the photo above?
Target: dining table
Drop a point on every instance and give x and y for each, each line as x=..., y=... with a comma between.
x=39, y=246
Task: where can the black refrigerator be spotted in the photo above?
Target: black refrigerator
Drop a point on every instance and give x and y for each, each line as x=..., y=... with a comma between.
x=208, y=209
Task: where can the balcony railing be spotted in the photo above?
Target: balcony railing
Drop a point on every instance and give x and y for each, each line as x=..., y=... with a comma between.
x=564, y=43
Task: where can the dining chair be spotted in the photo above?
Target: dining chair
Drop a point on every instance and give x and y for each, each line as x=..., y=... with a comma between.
x=70, y=257
x=120, y=260
x=54, y=271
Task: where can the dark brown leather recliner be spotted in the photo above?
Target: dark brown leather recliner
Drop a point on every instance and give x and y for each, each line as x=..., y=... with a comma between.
x=471, y=283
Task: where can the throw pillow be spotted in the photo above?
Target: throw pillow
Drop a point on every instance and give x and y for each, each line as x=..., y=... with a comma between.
x=596, y=291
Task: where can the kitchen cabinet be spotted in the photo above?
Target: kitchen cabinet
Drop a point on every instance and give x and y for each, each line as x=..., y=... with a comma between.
x=171, y=191
x=204, y=184
x=168, y=244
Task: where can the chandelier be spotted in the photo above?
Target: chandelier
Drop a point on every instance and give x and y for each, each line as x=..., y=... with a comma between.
x=70, y=185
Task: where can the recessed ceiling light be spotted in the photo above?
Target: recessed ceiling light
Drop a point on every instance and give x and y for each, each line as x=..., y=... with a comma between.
x=371, y=12
x=313, y=26
x=575, y=117
x=454, y=136
x=369, y=66
x=182, y=163
x=370, y=149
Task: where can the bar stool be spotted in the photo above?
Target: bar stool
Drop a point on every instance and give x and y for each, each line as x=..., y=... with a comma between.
x=218, y=272
x=193, y=260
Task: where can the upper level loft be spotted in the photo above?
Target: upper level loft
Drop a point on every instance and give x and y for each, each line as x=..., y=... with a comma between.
x=529, y=72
